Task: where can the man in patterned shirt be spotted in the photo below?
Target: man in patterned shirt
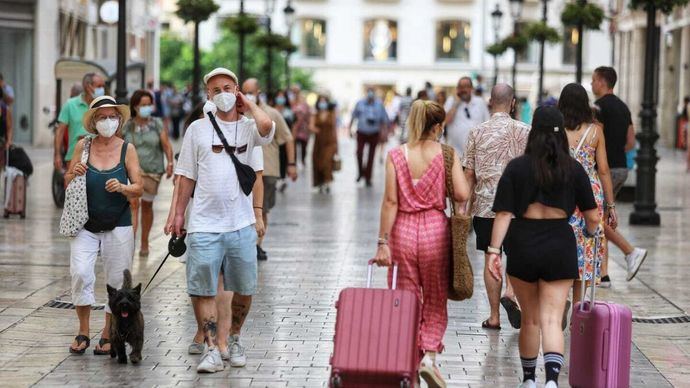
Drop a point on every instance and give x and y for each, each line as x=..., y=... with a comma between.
x=490, y=146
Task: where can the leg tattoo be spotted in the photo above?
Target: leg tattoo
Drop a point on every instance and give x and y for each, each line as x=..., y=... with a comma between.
x=210, y=329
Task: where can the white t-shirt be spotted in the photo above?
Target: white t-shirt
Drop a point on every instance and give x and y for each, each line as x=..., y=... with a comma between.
x=219, y=204
x=459, y=129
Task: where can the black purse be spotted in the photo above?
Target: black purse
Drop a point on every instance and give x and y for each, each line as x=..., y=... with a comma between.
x=245, y=174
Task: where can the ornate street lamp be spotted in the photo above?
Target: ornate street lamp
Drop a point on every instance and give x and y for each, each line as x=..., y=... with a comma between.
x=270, y=7
x=111, y=12
x=541, y=53
x=645, y=204
x=516, y=14
x=241, y=46
x=289, y=13
x=578, y=53
x=496, y=17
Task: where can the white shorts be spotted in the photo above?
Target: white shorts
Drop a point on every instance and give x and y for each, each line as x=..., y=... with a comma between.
x=116, y=247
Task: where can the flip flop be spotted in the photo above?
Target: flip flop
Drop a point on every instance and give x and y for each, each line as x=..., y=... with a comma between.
x=81, y=338
x=487, y=325
x=513, y=311
x=100, y=352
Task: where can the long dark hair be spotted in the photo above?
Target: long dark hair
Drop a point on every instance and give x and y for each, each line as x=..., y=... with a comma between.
x=547, y=146
x=194, y=115
x=574, y=105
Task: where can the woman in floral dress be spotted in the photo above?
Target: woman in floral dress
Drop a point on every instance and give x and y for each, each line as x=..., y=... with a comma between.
x=587, y=146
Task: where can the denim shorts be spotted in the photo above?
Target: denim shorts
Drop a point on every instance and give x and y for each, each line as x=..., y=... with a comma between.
x=233, y=253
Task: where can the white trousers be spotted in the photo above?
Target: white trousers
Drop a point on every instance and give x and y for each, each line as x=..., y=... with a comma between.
x=117, y=250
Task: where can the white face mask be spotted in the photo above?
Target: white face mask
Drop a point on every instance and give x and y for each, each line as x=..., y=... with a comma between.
x=209, y=107
x=107, y=127
x=251, y=97
x=225, y=101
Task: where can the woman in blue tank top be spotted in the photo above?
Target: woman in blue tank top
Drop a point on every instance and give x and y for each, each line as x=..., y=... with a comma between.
x=112, y=180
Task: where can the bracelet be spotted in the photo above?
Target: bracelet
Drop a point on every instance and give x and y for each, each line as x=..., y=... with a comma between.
x=382, y=241
x=258, y=207
x=610, y=205
x=493, y=250
x=292, y=164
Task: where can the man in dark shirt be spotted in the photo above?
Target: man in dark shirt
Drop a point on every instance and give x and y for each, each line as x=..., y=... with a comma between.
x=619, y=134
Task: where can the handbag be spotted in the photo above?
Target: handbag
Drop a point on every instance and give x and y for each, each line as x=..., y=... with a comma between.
x=461, y=284
x=337, y=163
x=75, y=212
x=245, y=174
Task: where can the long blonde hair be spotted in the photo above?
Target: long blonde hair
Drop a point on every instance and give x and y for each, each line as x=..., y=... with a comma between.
x=424, y=115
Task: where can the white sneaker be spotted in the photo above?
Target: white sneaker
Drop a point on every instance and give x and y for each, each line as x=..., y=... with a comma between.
x=210, y=362
x=550, y=384
x=196, y=348
x=635, y=260
x=430, y=373
x=238, y=358
x=528, y=384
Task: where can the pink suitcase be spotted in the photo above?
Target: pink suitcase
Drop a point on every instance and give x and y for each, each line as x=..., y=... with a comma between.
x=600, y=344
x=376, y=333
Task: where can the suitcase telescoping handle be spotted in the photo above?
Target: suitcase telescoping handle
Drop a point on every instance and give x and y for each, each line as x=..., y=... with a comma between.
x=370, y=273
x=596, y=260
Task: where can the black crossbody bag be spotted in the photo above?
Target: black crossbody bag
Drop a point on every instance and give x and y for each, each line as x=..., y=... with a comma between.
x=245, y=174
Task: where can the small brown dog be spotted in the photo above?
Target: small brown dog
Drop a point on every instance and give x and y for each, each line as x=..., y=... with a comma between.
x=127, y=324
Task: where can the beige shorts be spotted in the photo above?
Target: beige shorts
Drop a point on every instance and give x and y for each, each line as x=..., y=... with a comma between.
x=151, y=183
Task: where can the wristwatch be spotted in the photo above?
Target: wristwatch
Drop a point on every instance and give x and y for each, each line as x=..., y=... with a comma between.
x=493, y=250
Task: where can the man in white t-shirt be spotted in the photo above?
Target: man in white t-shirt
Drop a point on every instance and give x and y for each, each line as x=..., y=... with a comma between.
x=221, y=231
x=464, y=111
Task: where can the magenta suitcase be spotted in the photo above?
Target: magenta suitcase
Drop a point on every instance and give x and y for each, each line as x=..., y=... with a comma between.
x=375, y=343
x=600, y=344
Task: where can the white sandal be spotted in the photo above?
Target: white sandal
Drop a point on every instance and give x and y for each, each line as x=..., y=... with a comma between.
x=430, y=373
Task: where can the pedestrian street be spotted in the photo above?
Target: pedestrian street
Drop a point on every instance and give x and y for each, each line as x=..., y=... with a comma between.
x=317, y=244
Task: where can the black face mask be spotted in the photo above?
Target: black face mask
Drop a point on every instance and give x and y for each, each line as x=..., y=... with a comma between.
x=245, y=174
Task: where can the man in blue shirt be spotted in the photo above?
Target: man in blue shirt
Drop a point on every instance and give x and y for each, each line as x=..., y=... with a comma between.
x=371, y=121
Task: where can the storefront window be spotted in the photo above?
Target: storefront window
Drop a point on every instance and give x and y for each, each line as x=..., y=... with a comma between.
x=311, y=38
x=453, y=40
x=570, y=40
x=380, y=40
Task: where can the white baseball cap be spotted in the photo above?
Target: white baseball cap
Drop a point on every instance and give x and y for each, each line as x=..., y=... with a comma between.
x=220, y=71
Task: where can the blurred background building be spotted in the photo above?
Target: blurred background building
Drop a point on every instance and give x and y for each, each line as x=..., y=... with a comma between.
x=36, y=34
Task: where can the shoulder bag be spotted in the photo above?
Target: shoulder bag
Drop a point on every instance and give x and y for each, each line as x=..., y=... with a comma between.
x=461, y=284
x=76, y=210
x=245, y=174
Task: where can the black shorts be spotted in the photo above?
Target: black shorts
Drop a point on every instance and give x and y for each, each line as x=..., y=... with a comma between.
x=541, y=249
x=482, y=229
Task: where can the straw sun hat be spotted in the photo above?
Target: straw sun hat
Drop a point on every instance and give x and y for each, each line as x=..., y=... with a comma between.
x=104, y=102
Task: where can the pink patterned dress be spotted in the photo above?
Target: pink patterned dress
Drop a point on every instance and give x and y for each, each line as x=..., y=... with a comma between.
x=585, y=153
x=420, y=244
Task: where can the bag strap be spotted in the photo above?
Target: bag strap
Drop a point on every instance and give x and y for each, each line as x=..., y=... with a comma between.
x=448, y=157
x=87, y=150
x=223, y=140
x=584, y=137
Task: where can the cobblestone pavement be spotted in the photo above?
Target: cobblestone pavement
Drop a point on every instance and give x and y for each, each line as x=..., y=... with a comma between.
x=317, y=245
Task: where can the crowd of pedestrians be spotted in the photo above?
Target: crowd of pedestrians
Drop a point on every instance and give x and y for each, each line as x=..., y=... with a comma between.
x=538, y=192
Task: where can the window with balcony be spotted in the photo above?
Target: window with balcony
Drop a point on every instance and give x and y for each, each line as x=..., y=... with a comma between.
x=380, y=40
x=311, y=38
x=570, y=40
x=453, y=40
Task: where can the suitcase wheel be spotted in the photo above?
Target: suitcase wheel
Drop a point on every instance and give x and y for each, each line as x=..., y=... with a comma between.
x=22, y=215
x=336, y=381
x=405, y=384
x=6, y=215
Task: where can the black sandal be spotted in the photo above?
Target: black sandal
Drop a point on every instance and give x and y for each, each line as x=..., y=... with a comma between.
x=487, y=325
x=100, y=352
x=513, y=311
x=81, y=338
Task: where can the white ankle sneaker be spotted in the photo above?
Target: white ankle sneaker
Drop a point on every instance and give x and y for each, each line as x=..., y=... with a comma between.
x=210, y=362
x=238, y=358
x=528, y=384
x=551, y=384
x=635, y=260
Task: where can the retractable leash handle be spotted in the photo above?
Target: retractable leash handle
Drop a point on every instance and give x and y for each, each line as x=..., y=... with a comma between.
x=596, y=260
x=370, y=273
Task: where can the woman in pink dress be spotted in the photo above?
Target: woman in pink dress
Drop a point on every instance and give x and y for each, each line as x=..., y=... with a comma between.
x=415, y=232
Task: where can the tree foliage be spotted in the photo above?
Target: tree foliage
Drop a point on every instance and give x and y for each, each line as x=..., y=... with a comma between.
x=665, y=6
x=590, y=15
x=497, y=49
x=195, y=11
x=540, y=31
x=239, y=24
x=517, y=43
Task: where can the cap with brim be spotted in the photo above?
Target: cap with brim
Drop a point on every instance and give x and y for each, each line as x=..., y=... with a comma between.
x=220, y=71
x=104, y=102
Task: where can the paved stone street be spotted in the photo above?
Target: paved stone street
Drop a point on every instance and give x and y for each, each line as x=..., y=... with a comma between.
x=317, y=245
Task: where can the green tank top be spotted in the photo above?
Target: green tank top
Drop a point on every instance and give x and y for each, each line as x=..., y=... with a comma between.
x=107, y=210
x=148, y=144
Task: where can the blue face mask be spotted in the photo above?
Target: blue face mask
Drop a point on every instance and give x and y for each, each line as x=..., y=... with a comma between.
x=145, y=111
x=371, y=95
x=323, y=105
x=98, y=92
x=280, y=100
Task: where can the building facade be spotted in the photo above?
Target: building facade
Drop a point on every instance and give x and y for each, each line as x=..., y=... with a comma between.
x=393, y=44
x=673, y=73
x=35, y=34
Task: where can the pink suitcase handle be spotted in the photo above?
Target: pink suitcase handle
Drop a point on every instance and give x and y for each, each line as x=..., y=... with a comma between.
x=594, y=278
x=370, y=273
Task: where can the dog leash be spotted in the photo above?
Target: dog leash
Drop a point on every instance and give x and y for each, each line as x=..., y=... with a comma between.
x=156, y=273
x=176, y=247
